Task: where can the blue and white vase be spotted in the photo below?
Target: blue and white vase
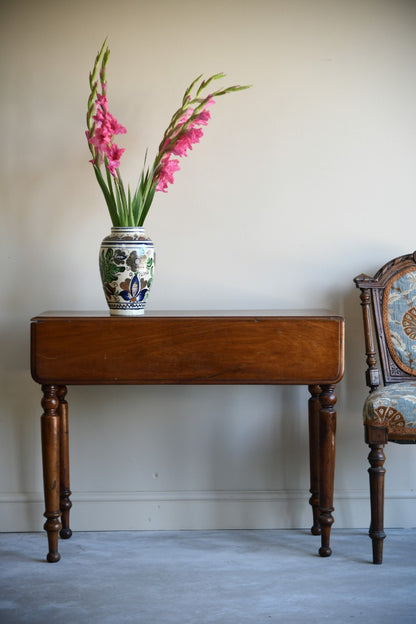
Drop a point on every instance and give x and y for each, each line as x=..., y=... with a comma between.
x=127, y=260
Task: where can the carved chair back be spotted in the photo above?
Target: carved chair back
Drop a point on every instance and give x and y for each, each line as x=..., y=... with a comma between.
x=389, y=299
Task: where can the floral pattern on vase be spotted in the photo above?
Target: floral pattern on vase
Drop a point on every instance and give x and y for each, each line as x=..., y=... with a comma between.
x=127, y=260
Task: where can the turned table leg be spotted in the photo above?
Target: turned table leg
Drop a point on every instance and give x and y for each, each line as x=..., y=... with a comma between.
x=50, y=430
x=65, y=492
x=314, y=407
x=327, y=428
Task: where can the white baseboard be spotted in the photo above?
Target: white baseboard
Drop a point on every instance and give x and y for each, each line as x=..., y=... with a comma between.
x=176, y=510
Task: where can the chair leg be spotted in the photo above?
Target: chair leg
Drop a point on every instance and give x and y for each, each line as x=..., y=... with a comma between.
x=377, y=472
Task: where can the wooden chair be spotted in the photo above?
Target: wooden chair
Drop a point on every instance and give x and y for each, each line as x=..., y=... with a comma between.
x=388, y=303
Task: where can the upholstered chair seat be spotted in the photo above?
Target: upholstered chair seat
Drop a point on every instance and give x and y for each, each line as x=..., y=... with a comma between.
x=393, y=407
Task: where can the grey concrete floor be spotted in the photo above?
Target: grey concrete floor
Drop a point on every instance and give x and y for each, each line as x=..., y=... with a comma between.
x=202, y=577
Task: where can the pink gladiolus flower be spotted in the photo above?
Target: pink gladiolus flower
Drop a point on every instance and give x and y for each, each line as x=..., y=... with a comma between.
x=106, y=127
x=203, y=117
x=106, y=121
x=192, y=134
x=165, y=177
x=184, y=130
x=113, y=126
x=100, y=139
x=102, y=101
x=180, y=142
x=186, y=140
x=181, y=145
x=186, y=116
x=195, y=135
x=113, y=153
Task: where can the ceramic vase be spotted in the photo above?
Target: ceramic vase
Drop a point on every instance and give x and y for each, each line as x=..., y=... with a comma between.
x=127, y=260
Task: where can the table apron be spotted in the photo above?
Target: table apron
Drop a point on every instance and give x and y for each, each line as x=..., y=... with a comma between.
x=202, y=351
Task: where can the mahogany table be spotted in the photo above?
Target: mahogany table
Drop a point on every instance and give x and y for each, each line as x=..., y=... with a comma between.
x=266, y=347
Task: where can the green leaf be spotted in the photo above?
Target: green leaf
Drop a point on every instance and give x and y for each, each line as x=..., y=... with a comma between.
x=109, y=196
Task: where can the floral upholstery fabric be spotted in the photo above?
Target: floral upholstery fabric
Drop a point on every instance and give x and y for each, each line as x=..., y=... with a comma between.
x=393, y=406
x=399, y=319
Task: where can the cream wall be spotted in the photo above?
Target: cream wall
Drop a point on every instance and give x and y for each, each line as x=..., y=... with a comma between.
x=299, y=184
